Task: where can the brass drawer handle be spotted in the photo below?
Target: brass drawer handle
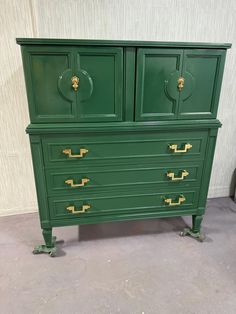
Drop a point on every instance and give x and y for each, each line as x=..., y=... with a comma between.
x=81, y=154
x=174, y=147
x=171, y=175
x=73, y=185
x=170, y=202
x=81, y=211
x=75, y=83
x=180, y=83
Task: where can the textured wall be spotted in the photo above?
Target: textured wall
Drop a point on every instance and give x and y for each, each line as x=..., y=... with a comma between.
x=17, y=192
x=189, y=20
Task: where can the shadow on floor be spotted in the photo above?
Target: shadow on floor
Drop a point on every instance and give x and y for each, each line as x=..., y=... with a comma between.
x=130, y=228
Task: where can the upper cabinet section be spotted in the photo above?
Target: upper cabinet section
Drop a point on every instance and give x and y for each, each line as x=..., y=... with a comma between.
x=178, y=84
x=114, y=81
x=66, y=84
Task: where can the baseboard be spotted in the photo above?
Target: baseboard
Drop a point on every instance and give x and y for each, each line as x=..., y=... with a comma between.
x=219, y=191
x=17, y=211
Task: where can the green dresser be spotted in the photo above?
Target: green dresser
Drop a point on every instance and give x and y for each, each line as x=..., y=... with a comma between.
x=121, y=130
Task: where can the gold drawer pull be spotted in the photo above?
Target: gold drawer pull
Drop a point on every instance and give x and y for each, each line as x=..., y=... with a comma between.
x=71, y=182
x=171, y=175
x=75, y=83
x=74, y=211
x=68, y=152
x=174, y=147
x=180, y=83
x=170, y=202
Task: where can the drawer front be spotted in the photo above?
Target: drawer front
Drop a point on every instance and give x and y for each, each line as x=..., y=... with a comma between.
x=122, y=148
x=103, y=178
x=75, y=207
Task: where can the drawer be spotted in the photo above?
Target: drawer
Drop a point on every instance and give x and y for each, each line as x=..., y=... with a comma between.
x=102, y=149
x=103, y=178
x=82, y=207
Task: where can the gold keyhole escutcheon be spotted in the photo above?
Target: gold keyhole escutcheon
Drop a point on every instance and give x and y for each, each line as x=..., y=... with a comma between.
x=180, y=83
x=75, y=83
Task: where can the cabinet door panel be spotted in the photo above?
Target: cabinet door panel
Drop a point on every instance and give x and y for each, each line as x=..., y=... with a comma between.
x=157, y=94
x=45, y=68
x=202, y=71
x=100, y=91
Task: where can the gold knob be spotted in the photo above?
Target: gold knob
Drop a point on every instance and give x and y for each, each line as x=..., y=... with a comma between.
x=75, y=82
x=81, y=154
x=171, y=175
x=180, y=83
x=81, y=211
x=71, y=182
x=174, y=147
x=170, y=202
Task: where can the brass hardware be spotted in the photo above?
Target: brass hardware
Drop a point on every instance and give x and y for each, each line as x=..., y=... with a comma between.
x=83, y=209
x=180, y=83
x=173, y=178
x=71, y=182
x=170, y=202
x=75, y=82
x=174, y=147
x=68, y=152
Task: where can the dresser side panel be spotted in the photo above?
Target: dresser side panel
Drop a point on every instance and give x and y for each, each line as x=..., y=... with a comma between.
x=40, y=180
x=207, y=168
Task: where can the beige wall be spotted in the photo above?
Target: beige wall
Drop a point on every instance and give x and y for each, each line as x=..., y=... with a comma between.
x=173, y=20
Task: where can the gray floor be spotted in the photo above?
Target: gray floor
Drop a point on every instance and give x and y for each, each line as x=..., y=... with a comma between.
x=139, y=267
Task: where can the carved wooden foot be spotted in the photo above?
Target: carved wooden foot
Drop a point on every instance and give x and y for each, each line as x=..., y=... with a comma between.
x=195, y=231
x=49, y=246
x=196, y=235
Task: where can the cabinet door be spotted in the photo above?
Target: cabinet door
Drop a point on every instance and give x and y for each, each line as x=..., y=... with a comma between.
x=157, y=94
x=202, y=73
x=100, y=90
x=48, y=73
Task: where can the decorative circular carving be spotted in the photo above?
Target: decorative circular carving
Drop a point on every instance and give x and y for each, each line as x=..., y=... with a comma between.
x=189, y=85
x=171, y=88
x=85, y=89
x=85, y=85
x=65, y=86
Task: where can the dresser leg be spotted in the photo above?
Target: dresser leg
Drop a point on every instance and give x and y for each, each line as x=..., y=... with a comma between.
x=49, y=246
x=194, y=232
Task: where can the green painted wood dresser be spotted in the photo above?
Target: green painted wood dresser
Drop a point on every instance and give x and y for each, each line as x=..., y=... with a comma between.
x=121, y=130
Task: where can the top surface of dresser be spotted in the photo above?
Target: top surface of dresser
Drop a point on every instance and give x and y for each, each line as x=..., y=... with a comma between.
x=118, y=81
x=128, y=43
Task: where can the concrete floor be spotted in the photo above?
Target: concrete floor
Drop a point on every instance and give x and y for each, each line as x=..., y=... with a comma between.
x=140, y=267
